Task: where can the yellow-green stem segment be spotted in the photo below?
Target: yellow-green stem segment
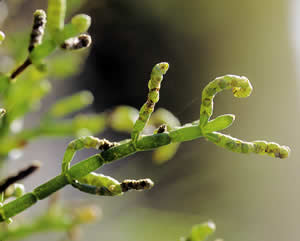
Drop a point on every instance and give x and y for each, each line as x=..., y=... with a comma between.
x=241, y=88
x=153, y=96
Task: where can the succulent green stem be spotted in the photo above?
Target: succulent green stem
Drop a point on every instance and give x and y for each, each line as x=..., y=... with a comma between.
x=259, y=147
x=83, y=168
x=126, y=148
x=240, y=85
x=56, y=15
x=153, y=96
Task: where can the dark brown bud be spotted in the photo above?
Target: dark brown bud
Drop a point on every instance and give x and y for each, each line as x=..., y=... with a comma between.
x=80, y=42
x=105, y=144
x=38, y=29
x=162, y=129
x=142, y=184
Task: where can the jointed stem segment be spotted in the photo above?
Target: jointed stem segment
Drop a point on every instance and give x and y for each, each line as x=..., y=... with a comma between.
x=102, y=185
x=240, y=85
x=153, y=96
x=259, y=147
x=83, y=142
x=56, y=15
x=94, y=183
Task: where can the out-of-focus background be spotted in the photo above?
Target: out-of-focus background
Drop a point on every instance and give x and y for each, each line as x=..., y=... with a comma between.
x=249, y=197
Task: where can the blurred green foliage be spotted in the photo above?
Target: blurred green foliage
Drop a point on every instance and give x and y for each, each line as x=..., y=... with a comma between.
x=24, y=87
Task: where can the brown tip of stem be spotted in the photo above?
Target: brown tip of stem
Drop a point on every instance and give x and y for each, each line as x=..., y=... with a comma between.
x=141, y=184
x=19, y=176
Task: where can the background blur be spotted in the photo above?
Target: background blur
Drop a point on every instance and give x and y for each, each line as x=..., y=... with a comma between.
x=249, y=197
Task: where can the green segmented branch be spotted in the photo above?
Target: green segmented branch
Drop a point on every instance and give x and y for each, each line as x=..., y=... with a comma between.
x=259, y=147
x=56, y=15
x=83, y=168
x=80, y=175
x=80, y=143
x=240, y=85
x=94, y=183
x=102, y=185
x=98, y=184
x=153, y=96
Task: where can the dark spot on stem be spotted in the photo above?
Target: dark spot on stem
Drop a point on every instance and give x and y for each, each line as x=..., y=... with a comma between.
x=162, y=129
x=154, y=89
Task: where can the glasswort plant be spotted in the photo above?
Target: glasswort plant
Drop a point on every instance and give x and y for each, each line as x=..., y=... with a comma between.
x=56, y=35
x=114, y=151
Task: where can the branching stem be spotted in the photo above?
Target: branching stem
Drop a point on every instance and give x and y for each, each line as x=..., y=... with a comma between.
x=86, y=166
x=126, y=148
x=21, y=68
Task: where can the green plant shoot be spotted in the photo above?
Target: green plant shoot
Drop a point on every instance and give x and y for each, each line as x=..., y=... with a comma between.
x=81, y=177
x=153, y=96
